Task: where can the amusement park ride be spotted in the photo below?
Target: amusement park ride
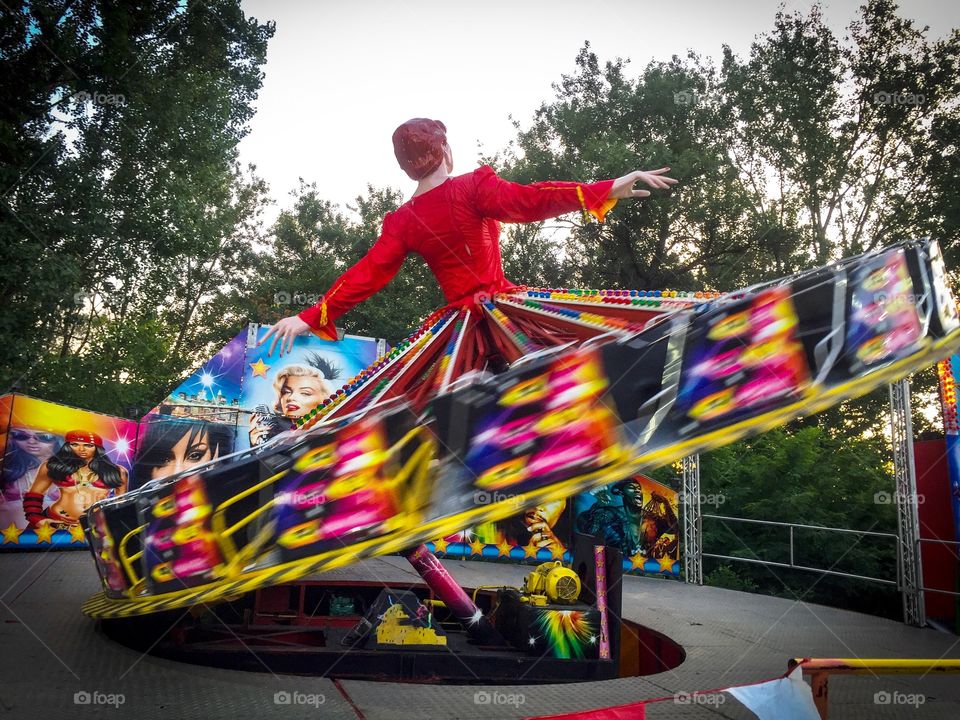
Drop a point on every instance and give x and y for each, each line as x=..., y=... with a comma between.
x=591, y=387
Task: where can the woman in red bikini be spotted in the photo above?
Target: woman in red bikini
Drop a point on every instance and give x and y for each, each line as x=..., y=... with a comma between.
x=84, y=475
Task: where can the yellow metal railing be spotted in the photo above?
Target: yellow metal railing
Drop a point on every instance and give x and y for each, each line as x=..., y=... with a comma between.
x=820, y=670
x=409, y=485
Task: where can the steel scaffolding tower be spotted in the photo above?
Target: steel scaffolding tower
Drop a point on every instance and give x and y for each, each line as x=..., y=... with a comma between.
x=908, y=522
x=692, y=521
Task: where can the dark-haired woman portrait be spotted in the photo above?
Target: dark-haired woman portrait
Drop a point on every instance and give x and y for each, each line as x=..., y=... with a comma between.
x=84, y=475
x=171, y=446
x=25, y=451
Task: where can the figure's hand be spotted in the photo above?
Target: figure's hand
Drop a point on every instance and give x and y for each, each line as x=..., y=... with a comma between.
x=257, y=431
x=541, y=535
x=623, y=186
x=662, y=546
x=285, y=331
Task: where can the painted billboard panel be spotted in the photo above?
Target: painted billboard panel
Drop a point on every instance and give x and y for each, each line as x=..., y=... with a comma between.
x=58, y=461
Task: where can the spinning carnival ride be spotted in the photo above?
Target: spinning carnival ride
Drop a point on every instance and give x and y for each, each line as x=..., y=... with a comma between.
x=594, y=386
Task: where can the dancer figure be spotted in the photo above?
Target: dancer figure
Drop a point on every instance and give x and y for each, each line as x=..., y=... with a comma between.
x=454, y=224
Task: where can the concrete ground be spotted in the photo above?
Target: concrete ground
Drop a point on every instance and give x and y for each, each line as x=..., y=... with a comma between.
x=54, y=662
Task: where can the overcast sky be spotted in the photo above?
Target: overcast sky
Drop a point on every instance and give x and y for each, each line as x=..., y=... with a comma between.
x=341, y=76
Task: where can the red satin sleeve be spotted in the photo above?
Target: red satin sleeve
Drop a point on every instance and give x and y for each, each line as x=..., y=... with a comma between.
x=511, y=202
x=367, y=276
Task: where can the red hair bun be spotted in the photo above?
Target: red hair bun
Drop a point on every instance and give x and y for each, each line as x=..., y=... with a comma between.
x=418, y=144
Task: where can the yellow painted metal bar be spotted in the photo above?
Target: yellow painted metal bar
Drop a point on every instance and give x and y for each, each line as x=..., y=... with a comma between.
x=415, y=472
x=820, y=670
x=876, y=666
x=237, y=498
x=219, y=523
x=247, y=519
x=128, y=561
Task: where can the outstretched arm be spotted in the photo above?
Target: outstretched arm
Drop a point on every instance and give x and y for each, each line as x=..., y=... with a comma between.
x=33, y=498
x=511, y=202
x=360, y=281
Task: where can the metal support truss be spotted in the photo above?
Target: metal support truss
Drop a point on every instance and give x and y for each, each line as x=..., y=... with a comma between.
x=692, y=523
x=908, y=521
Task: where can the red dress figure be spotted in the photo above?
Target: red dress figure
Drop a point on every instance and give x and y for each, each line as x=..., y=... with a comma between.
x=454, y=224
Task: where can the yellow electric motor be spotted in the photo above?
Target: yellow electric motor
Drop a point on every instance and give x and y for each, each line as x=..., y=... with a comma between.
x=551, y=582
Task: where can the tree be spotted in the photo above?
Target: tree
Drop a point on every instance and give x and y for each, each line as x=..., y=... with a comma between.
x=603, y=123
x=812, y=148
x=121, y=197
x=850, y=141
x=849, y=144
x=808, y=476
x=311, y=244
x=532, y=257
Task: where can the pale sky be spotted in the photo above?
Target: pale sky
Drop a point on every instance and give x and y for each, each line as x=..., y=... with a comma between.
x=341, y=76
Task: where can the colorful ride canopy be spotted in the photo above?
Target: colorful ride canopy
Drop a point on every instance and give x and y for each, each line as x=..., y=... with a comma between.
x=385, y=465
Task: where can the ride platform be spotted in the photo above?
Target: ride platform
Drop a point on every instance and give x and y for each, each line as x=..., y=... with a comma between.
x=52, y=653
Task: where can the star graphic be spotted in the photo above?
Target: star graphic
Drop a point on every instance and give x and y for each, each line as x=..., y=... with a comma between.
x=11, y=534
x=44, y=534
x=260, y=368
x=556, y=551
x=504, y=548
x=440, y=546
x=476, y=617
x=531, y=641
x=637, y=561
x=666, y=564
x=530, y=551
x=76, y=534
x=476, y=548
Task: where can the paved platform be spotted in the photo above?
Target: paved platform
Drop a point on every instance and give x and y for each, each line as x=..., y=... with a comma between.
x=50, y=655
